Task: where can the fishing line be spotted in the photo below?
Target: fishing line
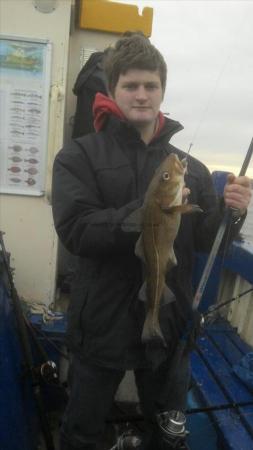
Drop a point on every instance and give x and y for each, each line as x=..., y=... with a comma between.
x=215, y=87
x=209, y=101
x=215, y=308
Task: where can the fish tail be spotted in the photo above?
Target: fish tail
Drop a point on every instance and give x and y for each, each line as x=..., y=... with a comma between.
x=152, y=330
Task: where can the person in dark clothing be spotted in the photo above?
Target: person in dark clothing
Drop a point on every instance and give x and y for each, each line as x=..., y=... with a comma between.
x=90, y=80
x=98, y=181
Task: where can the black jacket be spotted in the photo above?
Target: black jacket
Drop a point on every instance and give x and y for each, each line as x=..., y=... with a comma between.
x=90, y=80
x=98, y=180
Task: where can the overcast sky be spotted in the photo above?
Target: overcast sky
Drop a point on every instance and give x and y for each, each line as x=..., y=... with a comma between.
x=208, y=47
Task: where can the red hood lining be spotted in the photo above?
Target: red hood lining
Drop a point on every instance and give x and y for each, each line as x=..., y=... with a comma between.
x=104, y=106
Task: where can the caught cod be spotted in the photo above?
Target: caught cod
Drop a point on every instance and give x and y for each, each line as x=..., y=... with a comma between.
x=161, y=215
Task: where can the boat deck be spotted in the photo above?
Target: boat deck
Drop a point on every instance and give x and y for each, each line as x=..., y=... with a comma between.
x=220, y=408
x=220, y=405
x=226, y=398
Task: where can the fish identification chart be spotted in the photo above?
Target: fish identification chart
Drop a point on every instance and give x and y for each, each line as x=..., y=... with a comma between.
x=24, y=96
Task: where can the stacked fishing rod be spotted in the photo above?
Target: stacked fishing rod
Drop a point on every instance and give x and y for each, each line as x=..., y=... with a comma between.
x=46, y=371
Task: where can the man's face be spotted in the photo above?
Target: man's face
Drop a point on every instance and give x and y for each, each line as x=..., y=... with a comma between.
x=138, y=93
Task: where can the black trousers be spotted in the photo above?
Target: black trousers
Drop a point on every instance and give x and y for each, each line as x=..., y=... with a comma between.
x=92, y=391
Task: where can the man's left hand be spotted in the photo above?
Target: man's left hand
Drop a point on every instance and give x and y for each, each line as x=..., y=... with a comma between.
x=237, y=193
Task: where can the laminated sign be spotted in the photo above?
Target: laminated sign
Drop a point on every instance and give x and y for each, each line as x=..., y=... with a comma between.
x=24, y=96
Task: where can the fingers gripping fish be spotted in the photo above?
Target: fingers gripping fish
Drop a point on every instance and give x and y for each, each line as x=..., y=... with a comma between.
x=161, y=215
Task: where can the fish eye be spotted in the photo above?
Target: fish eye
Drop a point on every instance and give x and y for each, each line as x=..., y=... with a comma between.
x=166, y=176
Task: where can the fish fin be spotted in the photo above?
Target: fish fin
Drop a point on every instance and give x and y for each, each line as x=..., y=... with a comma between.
x=185, y=208
x=139, y=250
x=143, y=293
x=156, y=354
x=191, y=208
x=132, y=223
x=152, y=331
x=167, y=296
x=172, y=260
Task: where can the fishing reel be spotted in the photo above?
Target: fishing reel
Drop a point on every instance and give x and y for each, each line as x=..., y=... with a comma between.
x=172, y=429
x=47, y=372
x=211, y=315
x=127, y=441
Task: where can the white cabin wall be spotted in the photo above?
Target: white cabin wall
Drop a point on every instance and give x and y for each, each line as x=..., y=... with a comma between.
x=27, y=221
x=79, y=40
x=240, y=312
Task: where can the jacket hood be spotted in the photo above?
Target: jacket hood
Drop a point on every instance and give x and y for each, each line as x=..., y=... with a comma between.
x=105, y=110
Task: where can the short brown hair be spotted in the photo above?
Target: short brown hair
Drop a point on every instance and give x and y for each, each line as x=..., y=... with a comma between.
x=133, y=51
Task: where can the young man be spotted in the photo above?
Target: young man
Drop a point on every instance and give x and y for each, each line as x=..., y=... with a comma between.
x=98, y=180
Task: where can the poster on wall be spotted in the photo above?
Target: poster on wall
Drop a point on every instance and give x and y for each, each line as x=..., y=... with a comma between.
x=24, y=99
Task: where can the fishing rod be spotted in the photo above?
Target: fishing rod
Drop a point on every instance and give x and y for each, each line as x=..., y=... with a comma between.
x=138, y=417
x=34, y=372
x=214, y=308
x=196, y=324
x=228, y=215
